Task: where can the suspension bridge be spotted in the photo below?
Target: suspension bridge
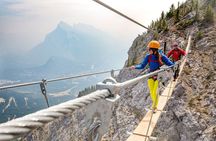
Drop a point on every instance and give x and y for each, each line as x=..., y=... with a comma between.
x=106, y=91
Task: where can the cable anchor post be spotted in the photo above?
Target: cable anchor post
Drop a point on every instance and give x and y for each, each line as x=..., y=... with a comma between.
x=43, y=90
x=112, y=73
x=110, y=85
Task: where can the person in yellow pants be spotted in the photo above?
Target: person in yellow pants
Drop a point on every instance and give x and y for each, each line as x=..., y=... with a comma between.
x=153, y=86
x=154, y=59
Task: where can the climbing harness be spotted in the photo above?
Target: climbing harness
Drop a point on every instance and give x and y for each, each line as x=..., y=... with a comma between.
x=151, y=60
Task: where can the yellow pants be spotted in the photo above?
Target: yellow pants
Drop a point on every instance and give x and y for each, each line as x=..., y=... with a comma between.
x=153, y=86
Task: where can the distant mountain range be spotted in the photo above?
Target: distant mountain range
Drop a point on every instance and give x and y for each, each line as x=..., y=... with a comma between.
x=66, y=50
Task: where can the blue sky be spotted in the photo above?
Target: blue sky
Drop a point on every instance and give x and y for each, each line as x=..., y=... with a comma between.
x=24, y=23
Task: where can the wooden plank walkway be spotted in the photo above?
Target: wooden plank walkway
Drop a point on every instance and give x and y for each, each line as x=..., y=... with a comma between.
x=146, y=126
x=140, y=133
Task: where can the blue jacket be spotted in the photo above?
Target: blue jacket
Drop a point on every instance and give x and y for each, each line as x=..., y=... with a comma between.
x=154, y=64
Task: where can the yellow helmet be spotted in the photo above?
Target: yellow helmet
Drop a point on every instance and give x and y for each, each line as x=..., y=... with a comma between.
x=154, y=44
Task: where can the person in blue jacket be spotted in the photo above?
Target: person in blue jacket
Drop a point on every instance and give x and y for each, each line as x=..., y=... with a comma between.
x=155, y=60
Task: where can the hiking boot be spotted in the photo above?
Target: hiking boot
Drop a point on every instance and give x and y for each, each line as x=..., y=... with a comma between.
x=154, y=110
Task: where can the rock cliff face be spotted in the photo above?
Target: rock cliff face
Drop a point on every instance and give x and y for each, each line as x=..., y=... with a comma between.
x=191, y=114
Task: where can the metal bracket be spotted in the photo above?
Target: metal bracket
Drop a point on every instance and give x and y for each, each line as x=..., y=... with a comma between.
x=109, y=84
x=176, y=67
x=43, y=90
x=110, y=80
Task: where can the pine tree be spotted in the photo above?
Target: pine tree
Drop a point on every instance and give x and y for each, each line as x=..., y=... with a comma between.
x=177, y=14
x=164, y=25
x=162, y=15
x=158, y=25
x=192, y=5
x=163, y=22
x=183, y=9
x=172, y=8
x=152, y=24
x=196, y=8
x=213, y=3
x=170, y=14
x=209, y=15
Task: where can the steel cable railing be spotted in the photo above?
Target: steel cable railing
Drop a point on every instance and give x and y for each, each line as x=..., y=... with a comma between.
x=55, y=79
x=21, y=126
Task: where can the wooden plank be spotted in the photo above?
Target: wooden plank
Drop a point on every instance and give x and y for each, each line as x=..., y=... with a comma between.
x=162, y=102
x=143, y=126
x=135, y=137
x=169, y=89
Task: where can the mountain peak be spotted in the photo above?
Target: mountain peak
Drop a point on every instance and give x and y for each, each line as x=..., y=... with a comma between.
x=64, y=26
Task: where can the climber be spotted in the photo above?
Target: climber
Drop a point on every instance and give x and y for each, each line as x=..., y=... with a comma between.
x=176, y=53
x=155, y=60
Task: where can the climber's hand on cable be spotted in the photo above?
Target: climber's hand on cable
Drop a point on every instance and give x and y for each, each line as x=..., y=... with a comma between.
x=132, y=67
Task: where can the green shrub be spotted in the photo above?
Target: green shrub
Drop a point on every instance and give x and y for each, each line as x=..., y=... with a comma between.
x=199, y=35
x=185, y=23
